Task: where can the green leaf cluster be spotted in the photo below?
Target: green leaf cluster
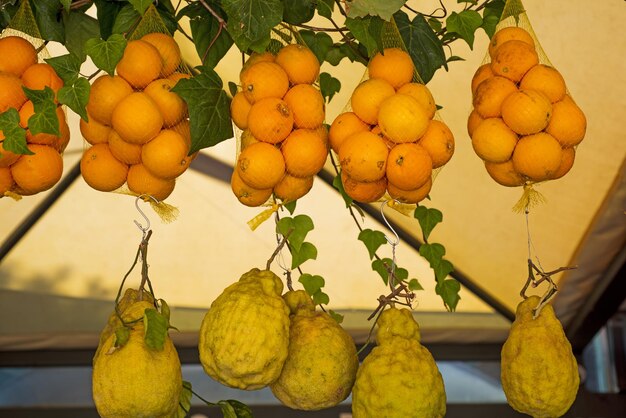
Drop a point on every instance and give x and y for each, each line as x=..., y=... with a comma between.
x=295, y=230
x=230, y=408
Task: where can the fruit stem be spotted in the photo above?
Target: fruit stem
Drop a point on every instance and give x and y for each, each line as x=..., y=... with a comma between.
x=143, y=249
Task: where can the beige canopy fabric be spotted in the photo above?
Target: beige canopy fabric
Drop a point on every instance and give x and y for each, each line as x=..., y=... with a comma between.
x=57, y=285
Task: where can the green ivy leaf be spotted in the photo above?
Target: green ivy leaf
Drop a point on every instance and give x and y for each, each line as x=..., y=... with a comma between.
x=320, y=298
x=433, y=253
x=320, y=43
x=122, y=335
x=442, y=269
x=251, y=21
x=401, y=273
x=209, y=109
x=382, y=267
x=66, y=66
x=299, y=227
x=165, y=310
x=14, y=134
x=435, y=24
x=329, y=86
x=140, y=5
x=367, y=30
x=415, y=285
x=307, y=252
x=204, y=30
x=449, y=292
x=106, y=13
x=428, y=218
x=336, y=316
x=50, y=27
x=106, y=54
x=384, y=9
x=453, y=58
x=325, y=8
x=425, y=48
x=227, y=409
x=491, y=16
x=155, y=329
x=297, y=12
x=465, y=24
x=352, y=51
x=184, y=402
x=126, y=18
x=337, y=184
x=290, y=206
x=45, y=119
x=81, y=27
x=76, y=96
x=232, y=88
x=372, y=240
x=234, y=409
x=312, y=284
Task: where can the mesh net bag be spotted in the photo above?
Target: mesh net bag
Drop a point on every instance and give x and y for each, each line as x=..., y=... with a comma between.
x=390, y=141
x=138, y=135
x=31, y=148
x=524, y=124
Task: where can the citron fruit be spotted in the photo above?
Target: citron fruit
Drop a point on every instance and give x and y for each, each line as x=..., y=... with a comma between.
x=539, y=371
x=321, y=363
x=244, y=336
x=399, y=378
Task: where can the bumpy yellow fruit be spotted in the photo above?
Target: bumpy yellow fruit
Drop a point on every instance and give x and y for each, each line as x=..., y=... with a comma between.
x=539, y=372
x=244, y=336
x=322, y=361
x=135, y=381
x=399, y=378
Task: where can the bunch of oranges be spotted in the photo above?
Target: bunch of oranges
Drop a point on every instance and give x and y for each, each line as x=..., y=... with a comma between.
x=281, y=113
x=138, y=129
x=524, y=125
x=390, y=142
x=29, y=174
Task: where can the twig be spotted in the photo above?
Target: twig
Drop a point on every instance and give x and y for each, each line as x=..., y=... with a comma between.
x=143, y=248
x=278, y=248
x=80, y=3
x=315, y=28
x=213, y=12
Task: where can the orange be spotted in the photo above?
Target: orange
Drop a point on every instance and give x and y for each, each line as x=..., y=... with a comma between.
x=176, y=76
x=137, y=118
x=361, y=191
x=166, y=155
x=363, y=156
x=6, y=180
x=28, y=110
x=300, y=64
x=545, y=79
x=246, y=139
x=64, y=138
x=140, y=181
x=124, y=151
x=393, y=65
x=504, y=173
x=410, y=196
x=264, y=79
x=140, y=64
x=270, y=120
x=509, y=34
x=105, y=94
x=493, y=140
x=376, y=130
x=291, y=188
x=482, y=73
x=472, y=122
x=343, y=126
x=172, y=107
x=239, y=109
x=168, y=50
x=261, y=165
x=11, y=93
x=6, y=157
x=367, y=97
x=526, y=111
x=184, y=129
x=568, y=123
x=566, y=163
x=537, y=156
x=409, y=166
x=307, y=105
x=255, y=58
x=40, y=76
x=17, y=55
x=93, y=131
x=438, y=141
x=246, y=194
x=490, y=94
x=513, y=59
x=423, y=96
x=304, y=153
x=402, y=119
x=39, y=171
x=101, y=170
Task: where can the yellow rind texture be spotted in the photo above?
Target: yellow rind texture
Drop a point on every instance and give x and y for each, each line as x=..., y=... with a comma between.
x=397, y=323
x=539, y=371
x=135, y=381
x=322, y=362
x=244, y=336
x=399, y=378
